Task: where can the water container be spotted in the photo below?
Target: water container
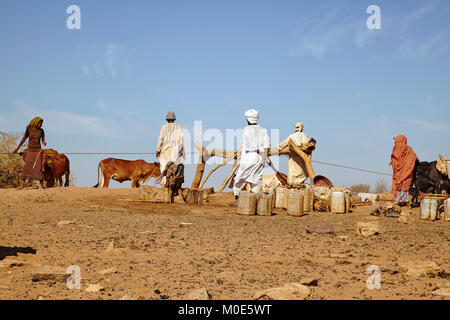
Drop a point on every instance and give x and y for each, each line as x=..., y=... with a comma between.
x=428, y=209
x=447, y=209
x=433, y=209
x=295, y=203
x=347, y=202
x=311, y=189
x=279, y=195
x=307, y=200
x=264, y=207
x=448, y=168
x=247, y=203
x=337, y=202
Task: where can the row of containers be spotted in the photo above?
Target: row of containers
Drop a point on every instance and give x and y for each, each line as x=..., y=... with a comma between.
x=295, y=201
x=433, y=208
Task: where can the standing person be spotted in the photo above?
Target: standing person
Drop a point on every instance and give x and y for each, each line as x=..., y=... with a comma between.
x=297, y=173
x=170, y=143
x=175, y=178
x=403, y=160
x=255, y=147
x=32, y=170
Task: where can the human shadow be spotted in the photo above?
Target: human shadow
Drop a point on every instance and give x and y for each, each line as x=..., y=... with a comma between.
x=12, y=251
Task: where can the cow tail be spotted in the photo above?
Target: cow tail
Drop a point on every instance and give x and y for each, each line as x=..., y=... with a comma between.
x=98, y=175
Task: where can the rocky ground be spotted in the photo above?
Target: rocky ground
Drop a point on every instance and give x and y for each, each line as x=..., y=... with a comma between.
x=140, y=250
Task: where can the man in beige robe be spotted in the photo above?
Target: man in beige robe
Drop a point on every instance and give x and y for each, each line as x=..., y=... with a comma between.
x=170, y=143
x=297, y=173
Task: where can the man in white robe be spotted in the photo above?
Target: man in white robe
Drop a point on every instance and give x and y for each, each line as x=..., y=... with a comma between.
x=297, y=173
x=170, y=143
x=255, y=146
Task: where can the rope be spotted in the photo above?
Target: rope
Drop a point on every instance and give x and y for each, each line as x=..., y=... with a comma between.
x=321, y=162
x=351, y=168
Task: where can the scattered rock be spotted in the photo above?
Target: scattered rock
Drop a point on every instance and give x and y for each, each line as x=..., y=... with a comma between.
x=420, y=268
x=183, y=224
x=405, y=218
x=108, y=271
x=45, y=272
x=94, y=288
x=126, y=297
x=343, y=238
x=199, y=294
x=292, y=291
x=229, y=276
x=445, y=292
x=110, y=247
x=338, y=255
x=10, y=262
x=65, y=222
x=320, y=229
x=367, y=228
x=310, y=282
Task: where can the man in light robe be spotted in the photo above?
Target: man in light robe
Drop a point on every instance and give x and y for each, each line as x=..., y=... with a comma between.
x=170, y=144
x=255, y=146
x=297, y=173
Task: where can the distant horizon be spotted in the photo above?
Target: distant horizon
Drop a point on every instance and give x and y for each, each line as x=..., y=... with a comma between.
x=107, y=86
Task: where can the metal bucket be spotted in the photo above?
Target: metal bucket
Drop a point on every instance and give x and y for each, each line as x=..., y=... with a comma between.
x=428, y=209
x=337, y=202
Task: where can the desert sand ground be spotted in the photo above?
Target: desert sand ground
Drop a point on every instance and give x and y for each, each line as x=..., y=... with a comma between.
x=165, y=251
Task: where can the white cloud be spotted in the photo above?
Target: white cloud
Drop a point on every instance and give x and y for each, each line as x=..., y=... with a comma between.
x=97, y=70
x=113, y=54
x=101, y=105
x=337, y=30
x=86, y=70
x=413, y=49
x=427, y=125
x=111, y=60
x=66, y=123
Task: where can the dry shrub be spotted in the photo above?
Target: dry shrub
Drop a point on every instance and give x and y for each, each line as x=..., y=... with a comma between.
x=365, y=188
x=10, y=164
x=381, y=186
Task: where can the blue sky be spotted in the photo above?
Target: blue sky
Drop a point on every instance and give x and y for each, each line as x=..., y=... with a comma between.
x=108, y=86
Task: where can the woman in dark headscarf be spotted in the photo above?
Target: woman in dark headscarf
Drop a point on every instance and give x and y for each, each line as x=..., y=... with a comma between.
x=403, y=160
x=32, y=169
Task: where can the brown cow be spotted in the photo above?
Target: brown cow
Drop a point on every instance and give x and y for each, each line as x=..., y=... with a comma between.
x=59, y=166
x=48, y=174
x=138, y=171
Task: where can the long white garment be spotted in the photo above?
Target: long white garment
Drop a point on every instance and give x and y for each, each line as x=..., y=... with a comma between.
x=170, y=145
x=254, y=138
x=297, y=173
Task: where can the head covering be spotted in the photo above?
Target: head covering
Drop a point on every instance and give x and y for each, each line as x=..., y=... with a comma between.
x=298, y=127
x=170, y=116
x=34, y=123
x=252, y=116
x=403, y=163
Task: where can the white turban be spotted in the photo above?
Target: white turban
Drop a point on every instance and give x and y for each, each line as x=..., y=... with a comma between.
x=252, y=116
x=298, y=127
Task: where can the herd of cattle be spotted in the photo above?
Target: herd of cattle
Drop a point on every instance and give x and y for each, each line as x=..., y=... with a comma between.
x=427, y=179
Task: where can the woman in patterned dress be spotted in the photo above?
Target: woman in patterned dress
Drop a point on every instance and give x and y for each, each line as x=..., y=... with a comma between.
x=32, y=170
x=403, y=161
